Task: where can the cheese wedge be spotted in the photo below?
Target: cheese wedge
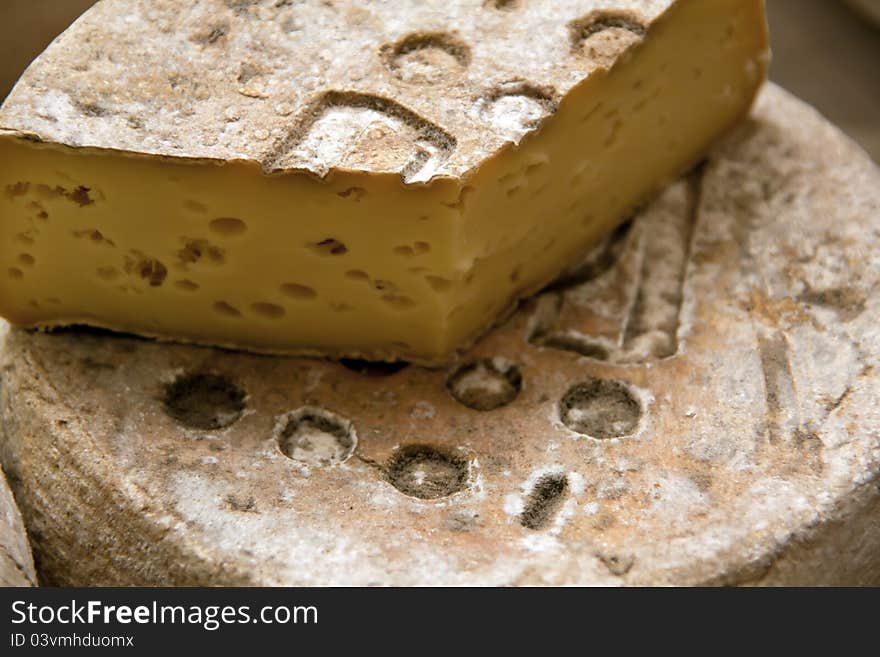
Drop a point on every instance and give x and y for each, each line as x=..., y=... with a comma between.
x=372, y=179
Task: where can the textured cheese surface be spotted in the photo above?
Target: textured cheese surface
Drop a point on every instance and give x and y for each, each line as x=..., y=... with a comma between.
x=532, y=154
x=270, y=81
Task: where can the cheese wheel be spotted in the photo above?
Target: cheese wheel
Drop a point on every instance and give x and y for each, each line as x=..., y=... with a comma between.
x=694, y=404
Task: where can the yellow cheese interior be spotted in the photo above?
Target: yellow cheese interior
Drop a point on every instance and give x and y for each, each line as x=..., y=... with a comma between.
x=360, y=264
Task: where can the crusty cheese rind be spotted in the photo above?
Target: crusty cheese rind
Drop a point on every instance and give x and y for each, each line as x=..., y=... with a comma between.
x=239, y=80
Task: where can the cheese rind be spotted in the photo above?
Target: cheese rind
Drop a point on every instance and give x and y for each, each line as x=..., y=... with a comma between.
x=367, y=228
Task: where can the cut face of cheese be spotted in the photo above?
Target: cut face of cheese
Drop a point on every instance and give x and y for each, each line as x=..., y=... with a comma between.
x=391, y=209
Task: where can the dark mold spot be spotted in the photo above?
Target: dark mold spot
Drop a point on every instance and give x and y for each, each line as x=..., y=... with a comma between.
x=544, y=501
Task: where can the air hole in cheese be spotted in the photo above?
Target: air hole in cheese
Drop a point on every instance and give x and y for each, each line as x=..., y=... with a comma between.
x=297, y=291
x=228, y=226
x=226, y=309
x=268, y=310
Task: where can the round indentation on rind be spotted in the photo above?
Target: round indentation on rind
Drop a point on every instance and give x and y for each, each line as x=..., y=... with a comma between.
x=427, y=472
x=315, y=436
x=426, y=57
x=372, y=368
x=582, y=29
x=517, y=107
x=601, y=409
x=544, y=501
x=486, y=384
x=204, y=401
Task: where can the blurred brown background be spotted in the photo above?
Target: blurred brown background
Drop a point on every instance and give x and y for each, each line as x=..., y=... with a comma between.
x=823, y=51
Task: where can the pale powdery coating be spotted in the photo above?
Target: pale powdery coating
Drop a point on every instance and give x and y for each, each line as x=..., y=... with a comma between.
x=413, y=87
